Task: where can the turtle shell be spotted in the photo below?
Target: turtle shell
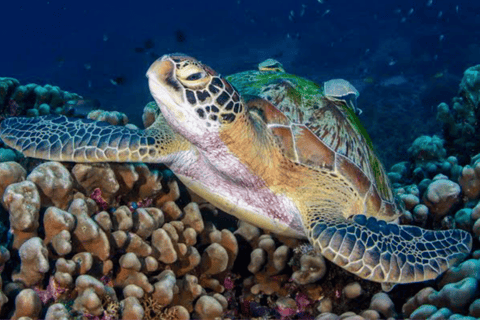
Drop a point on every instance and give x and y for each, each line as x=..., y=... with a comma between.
x=327, y=131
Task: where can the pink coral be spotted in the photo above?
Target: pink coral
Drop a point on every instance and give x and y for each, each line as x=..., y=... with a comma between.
x=302, y=301
x=52, y=292
x=96, y=196
x=228, y=283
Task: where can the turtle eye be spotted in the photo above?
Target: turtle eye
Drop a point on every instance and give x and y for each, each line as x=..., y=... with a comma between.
x=193, y=76
x=196, y=76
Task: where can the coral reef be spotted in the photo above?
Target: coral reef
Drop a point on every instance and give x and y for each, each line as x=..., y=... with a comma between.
x=125, y=241
x=111, y=254
x=32, y=99
x=460, y=120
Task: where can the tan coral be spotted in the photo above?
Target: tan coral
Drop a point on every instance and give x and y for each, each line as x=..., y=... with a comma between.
x=133, y=291
x=83, y=262
x=130, y=273
x=57, y=311
x=147, y=220
x=188, y=262
x=92, y=176
x=149, y=184
x=64, y=272
x=27, y=304
x=193, y=217
x=249, y=232
x=189, y=291
x=11, y=172
x=163, y=243
x=470, y=181
x=150, y=113
x=171, y=211
x=208, y=308
x=90, y=294
x=122, y=219
x=172, y=195
x=280, y=257
x=23, y=203
x=312, y=269
x=126, y=176
x=34, y=262
x=228, y=241
x=3, y=297
x=165, y=288
x=440, y=196
x=382, y=303
x=58, y=224
x=113, y=117
x=137, y=245
x=87, y=234
x=352, y=290
x=61, y=243
x=132, y=309
x=55, y=184
x=214, y=259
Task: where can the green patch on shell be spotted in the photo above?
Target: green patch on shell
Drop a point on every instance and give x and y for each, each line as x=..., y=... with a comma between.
x=381, y=183
x=259, y=79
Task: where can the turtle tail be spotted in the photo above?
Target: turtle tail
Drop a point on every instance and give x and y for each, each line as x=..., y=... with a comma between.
x=386, y=252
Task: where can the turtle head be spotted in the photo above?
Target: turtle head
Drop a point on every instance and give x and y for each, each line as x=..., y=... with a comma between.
x=194, y=99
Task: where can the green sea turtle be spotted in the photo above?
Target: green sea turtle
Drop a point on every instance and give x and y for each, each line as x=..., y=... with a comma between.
x=299, y=164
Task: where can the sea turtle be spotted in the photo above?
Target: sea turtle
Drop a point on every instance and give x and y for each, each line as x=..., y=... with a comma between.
x=308, y=172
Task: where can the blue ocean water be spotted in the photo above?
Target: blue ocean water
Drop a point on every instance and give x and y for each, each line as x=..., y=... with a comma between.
x=404, y=56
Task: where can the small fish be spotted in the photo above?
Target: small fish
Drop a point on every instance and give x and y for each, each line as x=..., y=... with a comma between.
x=410, y=12
x=456, y=9
x=87, y=66
x=429, y=3
x=105, y=37
x=441, y=37
x=326, y=12
x=149, y=44
x=368, y=80
x=291, y=15
x=438, y=75
x=180, y=36
x=80, y=108
x=60, y=60
x=117, y=81
x=440, y=14
x=320, y=1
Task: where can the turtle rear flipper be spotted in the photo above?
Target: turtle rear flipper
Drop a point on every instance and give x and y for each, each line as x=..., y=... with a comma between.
x=385, y=252
x=82, y=140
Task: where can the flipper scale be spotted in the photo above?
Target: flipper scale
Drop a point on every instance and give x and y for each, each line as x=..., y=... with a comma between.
x=387, y=252
x=83, y=140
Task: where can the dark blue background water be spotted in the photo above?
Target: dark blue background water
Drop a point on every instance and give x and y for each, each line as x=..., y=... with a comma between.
x=404, y=56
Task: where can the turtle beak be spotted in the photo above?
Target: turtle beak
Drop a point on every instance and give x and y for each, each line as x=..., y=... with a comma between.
x=164, y=86
x=163, y=71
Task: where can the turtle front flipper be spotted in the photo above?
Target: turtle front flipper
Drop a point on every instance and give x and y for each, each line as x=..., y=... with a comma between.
x=82, y=140
x=385, y=252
